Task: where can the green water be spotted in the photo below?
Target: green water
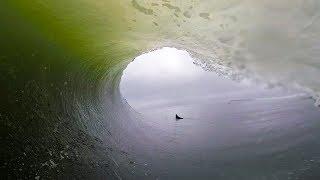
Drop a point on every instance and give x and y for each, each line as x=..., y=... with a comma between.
x=52, y=69
x=61, y=61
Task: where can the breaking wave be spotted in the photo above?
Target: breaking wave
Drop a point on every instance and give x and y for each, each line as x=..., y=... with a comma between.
x=61, y=61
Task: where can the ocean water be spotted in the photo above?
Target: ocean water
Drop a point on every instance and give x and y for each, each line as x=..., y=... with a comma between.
x=230, y=130
x=63, y=115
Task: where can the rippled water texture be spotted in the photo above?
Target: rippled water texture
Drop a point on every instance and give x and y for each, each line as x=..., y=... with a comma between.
x=230, y=130
x=61, y=111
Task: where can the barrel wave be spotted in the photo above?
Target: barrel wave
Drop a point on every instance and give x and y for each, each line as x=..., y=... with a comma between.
x=61, y=111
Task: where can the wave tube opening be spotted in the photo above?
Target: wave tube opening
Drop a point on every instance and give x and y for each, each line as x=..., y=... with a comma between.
x=227, y=126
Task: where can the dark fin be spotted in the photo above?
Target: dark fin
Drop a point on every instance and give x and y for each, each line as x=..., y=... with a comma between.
x=178, y=117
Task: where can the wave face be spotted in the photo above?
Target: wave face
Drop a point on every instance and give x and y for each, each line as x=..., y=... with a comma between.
x=271, y=41
x=60, y=61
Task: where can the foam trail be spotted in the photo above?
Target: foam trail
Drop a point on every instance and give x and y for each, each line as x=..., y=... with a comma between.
x=299, y=96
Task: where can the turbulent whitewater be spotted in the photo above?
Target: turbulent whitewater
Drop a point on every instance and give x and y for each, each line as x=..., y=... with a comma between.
x=61, y=111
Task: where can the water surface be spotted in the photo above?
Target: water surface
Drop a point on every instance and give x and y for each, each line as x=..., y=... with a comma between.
x=230, y=130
